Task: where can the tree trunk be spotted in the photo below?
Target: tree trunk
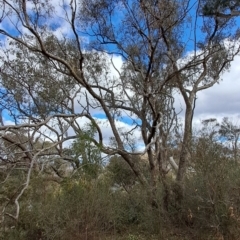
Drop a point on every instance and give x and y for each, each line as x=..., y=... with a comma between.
x=186, y=145
x=135, y=169
x=154, y=177
x=184, y=157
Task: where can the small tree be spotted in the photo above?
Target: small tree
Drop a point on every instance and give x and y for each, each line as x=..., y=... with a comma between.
x=231, y=133
x=87, y=156
x=211, y=197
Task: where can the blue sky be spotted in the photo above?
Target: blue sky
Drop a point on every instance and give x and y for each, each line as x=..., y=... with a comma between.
x=125, y=119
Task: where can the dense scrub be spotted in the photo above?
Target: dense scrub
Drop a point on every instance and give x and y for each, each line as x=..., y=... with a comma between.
x=115, y=207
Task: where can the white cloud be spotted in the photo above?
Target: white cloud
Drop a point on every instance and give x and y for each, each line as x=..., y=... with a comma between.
x=108, y=79
x=219, y=101
x=222, y=99
x=106, y=129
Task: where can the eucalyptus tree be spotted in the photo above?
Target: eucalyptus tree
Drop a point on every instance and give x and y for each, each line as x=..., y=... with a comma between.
x=167, y=45
x=87, y=156
x=59, y=60
x=230, y=132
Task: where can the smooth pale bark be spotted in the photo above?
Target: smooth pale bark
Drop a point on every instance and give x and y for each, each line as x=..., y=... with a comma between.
x=173, y=164
x=186, y=145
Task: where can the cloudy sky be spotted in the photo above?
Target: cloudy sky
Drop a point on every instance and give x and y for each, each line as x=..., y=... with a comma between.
x=223, y=99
